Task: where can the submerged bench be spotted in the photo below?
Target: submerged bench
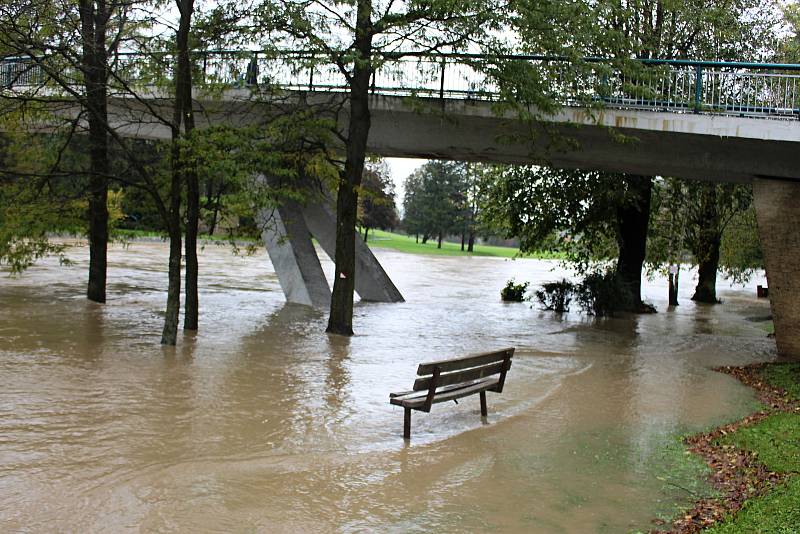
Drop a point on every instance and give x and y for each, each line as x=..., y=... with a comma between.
x=446, y=380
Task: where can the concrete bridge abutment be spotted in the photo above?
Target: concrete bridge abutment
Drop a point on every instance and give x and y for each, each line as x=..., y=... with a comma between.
x=777, y=204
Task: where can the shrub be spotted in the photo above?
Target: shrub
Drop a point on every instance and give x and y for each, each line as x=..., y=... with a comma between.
x=556, y=296
x=604, y=293
x=514, y=292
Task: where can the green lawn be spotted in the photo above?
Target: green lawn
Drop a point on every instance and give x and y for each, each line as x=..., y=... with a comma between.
x=776, y=440
x=404, y=243
x=382, y=239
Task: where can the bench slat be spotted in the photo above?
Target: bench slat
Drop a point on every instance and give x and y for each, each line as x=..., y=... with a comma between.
x=455, y=364
x=456, y=393
x=395, y=398
x=457, y=377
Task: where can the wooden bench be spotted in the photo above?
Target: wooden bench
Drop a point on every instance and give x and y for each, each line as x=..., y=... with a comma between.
x=446, y=380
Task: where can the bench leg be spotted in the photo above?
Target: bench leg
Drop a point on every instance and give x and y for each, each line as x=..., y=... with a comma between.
x=407, y=424
x=484, y=411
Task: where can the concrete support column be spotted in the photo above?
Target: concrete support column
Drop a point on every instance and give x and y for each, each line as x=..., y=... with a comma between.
x=777, y=206
x=293, y=256
x=372, y=282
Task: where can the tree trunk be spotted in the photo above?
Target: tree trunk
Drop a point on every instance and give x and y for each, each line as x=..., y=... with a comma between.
x=215, y=208
x=706, y=247
x=633, y=219
x=471, y=242
x=463, y=238
x=439, y=240
x=179, y=174
x=706, y=289
x=184, y=85
x=425, y=238
x=169, y=335
x=416, y=236
x=95, y=69
x=341, y=316
x=366, y=232
x=673, y=288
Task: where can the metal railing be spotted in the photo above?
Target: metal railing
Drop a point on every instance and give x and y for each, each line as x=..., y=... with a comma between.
x=732, y=88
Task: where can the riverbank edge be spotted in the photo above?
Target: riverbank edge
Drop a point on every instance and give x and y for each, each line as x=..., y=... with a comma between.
x=738, y=476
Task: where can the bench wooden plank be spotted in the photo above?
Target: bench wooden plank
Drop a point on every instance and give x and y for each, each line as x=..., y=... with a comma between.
x=453, y=394
x=397, y=398
x=466, y=375
x=454, y=364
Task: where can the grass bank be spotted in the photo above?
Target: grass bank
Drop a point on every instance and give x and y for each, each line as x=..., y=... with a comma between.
x=376, y=239
x=755, y=462
x=775, y=441
x=407, y=244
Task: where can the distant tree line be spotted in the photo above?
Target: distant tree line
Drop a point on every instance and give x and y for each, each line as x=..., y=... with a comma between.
x=442, y=199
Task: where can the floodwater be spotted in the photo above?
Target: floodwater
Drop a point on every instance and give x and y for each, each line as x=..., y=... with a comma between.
x=263, y=423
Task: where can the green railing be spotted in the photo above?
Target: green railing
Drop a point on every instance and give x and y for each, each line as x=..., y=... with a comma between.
x=732, y=88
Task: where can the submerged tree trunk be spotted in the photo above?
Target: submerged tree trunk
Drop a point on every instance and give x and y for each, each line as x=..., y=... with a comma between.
x=633, y=219
x=169, y=336
x=341, y=314
x=706, y=247
x=673, y=287
x=94, y=19
x=183, y=77
x=706, y=289
x=184, y=84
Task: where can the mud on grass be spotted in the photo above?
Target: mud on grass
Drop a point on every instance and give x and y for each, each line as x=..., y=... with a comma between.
x=755, y=462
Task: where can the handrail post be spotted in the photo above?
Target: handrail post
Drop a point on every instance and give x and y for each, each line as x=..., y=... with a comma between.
x=698, y=88
x=441, y=81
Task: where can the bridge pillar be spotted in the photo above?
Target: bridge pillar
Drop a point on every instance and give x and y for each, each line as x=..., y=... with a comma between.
x=372, y=282
x=287, y=235
x=293, y=256
x=778, y=215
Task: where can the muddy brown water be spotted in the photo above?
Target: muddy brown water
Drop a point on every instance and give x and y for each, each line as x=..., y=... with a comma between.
x=263, y=423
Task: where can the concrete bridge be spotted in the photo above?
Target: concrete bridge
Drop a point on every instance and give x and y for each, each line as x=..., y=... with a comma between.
x=699, y=120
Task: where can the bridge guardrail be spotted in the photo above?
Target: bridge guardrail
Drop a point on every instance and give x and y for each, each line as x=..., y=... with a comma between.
x=744, y=89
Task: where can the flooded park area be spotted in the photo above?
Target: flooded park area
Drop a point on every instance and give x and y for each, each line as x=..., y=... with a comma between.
x=261, y=422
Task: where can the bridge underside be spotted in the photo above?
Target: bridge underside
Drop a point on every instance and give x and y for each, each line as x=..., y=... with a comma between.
x=687, y=145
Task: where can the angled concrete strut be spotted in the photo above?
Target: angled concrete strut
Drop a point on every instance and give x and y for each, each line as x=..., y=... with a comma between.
x=293, y=256
x=372, y=282
x=287, y=235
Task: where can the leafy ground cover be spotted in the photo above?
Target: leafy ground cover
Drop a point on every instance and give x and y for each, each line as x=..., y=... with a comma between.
x=755, y=462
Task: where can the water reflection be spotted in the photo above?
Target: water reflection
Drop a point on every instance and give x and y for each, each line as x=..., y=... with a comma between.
x=262, y=422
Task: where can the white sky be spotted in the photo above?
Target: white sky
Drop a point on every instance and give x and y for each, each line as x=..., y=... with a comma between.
x=400, y=169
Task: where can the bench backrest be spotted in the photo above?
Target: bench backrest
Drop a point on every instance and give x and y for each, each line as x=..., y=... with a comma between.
x=458, y=370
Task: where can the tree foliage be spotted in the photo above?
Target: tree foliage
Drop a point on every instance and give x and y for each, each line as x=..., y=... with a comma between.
x=376, y=207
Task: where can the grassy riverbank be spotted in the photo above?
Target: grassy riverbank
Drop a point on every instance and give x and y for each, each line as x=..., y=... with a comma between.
x=755, y=462
x=408, y=244
x=376, y=239
x=775, y=441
